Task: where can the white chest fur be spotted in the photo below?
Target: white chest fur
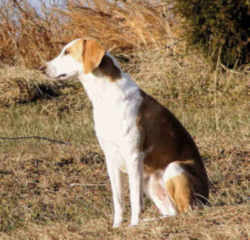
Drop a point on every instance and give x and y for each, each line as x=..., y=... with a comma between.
x=115, y=110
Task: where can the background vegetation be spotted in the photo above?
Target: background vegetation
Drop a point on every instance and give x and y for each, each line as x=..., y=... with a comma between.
x=60, y=190
x=220, y=28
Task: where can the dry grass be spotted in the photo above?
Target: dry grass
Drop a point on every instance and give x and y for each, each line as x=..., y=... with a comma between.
x=121, y=24
x=28, y=37
x=55, y=191
x=20, y=85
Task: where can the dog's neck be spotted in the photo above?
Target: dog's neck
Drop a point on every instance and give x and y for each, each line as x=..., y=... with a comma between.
x=102, y=89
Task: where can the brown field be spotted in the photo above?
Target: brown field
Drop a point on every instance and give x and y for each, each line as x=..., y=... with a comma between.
x=60, y=190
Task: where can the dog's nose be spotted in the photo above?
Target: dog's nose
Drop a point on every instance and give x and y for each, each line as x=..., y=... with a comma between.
x=43, y=69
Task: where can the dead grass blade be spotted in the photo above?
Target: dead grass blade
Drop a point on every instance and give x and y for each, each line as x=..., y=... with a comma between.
x=120, y=24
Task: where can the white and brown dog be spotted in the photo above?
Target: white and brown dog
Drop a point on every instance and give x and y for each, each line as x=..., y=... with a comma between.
x=137, y=134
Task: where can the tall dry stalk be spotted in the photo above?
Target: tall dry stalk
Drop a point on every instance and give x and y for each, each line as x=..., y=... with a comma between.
x=29, y=36
x=26, y=36
x=120, y=24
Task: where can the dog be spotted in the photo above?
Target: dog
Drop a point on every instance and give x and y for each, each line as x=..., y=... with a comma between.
x=137, y=134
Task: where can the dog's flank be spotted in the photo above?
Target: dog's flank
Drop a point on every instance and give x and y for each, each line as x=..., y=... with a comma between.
x=136, y=133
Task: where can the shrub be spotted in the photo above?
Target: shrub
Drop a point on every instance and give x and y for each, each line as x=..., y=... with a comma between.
x=219, y=27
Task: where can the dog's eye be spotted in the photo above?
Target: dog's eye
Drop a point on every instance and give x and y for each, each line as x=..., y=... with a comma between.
x=66, y=52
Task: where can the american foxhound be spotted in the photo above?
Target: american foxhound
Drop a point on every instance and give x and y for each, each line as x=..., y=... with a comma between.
x=136, y=133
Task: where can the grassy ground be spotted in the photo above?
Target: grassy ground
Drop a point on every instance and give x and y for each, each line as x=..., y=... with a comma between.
x=58, y=191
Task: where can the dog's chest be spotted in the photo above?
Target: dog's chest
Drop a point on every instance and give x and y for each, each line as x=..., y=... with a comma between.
x=115, y=121
x=115, y=112
x=117, y=131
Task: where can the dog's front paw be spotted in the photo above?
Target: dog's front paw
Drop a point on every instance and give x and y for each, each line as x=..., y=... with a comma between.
x=134, y=222
x=116, y=224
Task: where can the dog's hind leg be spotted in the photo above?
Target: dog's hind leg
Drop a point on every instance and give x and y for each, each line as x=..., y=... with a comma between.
x=155, y=190
x=179, y=187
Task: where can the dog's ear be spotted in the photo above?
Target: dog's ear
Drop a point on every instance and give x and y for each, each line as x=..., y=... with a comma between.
x=92, y=55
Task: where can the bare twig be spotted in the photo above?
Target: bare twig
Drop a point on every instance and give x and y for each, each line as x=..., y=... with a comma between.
x=87, y=184
x=35, y=137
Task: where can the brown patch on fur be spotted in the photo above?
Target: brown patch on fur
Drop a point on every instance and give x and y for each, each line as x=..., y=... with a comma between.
x=180, y=190
x=107, y=68
x=92, y=55
x=76, y=50
x=166, y=141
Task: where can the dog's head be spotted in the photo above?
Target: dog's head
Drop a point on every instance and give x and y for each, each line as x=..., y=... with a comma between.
x=78, y=56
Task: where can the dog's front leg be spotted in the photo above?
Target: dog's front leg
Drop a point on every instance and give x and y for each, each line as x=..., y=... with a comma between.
x=112, y=156
x=116, y=185
x=135, y=174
